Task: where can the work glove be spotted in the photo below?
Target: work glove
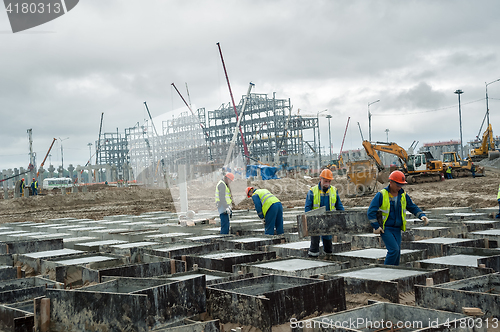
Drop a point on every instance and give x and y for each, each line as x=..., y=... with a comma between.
x=425, y=220
x=378, y=230
x=229, y=212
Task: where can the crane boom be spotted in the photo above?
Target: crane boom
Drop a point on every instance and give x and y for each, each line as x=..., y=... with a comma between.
x=43, y=162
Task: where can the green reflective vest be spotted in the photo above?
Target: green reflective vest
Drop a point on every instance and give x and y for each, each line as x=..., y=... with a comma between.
x=228, y=194
x=386, y=206
x=498, y=195
x=448, y=170
x=266, y=199
x=332, y=192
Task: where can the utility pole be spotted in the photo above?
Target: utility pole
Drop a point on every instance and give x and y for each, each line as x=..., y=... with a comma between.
x=370, y=120
x=32, y=155
x=328, y=116
x=459, y=92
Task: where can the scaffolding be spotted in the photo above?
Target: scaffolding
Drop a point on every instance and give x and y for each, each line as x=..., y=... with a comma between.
x=272, y=133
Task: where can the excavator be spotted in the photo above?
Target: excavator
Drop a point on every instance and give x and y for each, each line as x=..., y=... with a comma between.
x=418, y=168
x=459, y=167
x=487, y=148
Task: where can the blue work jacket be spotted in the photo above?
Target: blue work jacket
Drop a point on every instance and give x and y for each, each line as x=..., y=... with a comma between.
x=324, y=200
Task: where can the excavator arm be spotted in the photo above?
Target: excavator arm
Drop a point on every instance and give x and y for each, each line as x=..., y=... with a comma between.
x=391, y=148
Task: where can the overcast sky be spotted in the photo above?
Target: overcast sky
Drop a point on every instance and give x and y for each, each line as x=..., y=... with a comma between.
x=112, y=55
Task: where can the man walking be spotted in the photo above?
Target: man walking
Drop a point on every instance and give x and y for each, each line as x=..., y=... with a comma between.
x=223, y=201
x=324, y=194
x=269, y=208
x=392, y=203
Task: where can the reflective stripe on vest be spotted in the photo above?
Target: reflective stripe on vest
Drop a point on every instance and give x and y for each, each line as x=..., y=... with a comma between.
x=332, y=192
x=228, y=193
x=498, y=195
x=386, y=206
x=266, y=199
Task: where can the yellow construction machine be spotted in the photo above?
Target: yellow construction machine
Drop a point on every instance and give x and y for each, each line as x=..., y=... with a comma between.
x=487, y=148
x=459, y=167
x=418, y=168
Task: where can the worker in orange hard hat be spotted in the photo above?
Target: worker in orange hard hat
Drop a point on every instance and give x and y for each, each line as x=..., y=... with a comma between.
x=269, y=208
x=324, y=194
x=387, y=215
x=21, y=186
x=223, y=201
x=34, y=187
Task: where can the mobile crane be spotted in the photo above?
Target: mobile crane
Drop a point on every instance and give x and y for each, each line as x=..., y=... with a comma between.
x=418, y=168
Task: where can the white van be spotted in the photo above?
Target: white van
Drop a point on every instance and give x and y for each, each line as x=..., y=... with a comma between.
x=51, y=183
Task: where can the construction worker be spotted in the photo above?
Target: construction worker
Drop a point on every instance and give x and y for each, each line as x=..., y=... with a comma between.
x=473, y=170
x=387, y=215
x=448, y=173
x=34, y=187
x=269, y=208
x=21, y=187
x=498, y=199
x=324, y=194
x=223, y=201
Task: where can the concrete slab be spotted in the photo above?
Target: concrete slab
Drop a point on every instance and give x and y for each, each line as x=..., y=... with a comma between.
x=293, y=267
x=460, y=266
x=251, y=242
x=170, y=237
x=431, y=231
x=366, y=240
x=253, y=301
x=69, y=242
x=385, y=317
x=465, y=216
x=206, y=238
x=301, y=248
x=96, y=245
x=52, y=253
x=390, y=282
x=440, y=246
x=225, y=260
x=481, y=292
x=377, y=256
x=176, y=251
x=332, y=222
x=480, y=225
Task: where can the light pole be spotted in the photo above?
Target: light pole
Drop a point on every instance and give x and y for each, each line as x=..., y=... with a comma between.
x=62, y=159
x=370, y=120
x=459, y=92
x=387, y=134
x=319, y=139
x=328, y=116
x=487, y=108
x=90, y=153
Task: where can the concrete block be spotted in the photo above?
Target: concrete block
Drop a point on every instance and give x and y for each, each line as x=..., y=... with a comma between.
x=465, y=216
x=301, y=248
x=26, y=246
x=478, y=292
x=23, y=289
x=382, y=316
x=332, y=222
x=224, y=260
x=367, y=240
x=293, y=267
x=254, y=301
x=431, y=231
x=251, y=243
x=377, y=256
x=175, y=251
x=212, y=277
x=460, y=266
x=14, y=319
x=145, y=270
x=439, y=246
x=490, y=257
x=390, y=282
x=491, y=235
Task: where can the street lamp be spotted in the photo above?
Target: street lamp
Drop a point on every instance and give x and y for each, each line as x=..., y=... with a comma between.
x=319, y=139
x=90, y=153
x=328, y=116
x=370, y=120
x=487, y=108
x=459, y=92
x=62, y=159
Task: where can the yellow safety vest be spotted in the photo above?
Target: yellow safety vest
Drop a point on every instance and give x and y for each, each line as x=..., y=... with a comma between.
x=498, y=195
x=386, y=206
x=448, y=170
x=266, y=199
x=228, y=194
x=332, y=192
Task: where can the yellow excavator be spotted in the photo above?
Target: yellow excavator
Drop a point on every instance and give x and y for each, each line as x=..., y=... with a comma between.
x=459, y=167
x=418, y=168
x=487, y=148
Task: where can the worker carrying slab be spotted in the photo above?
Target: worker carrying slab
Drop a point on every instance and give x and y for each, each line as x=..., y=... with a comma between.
x=324, y=194
x=223, y=201
x=269, y=208
x=388, y=208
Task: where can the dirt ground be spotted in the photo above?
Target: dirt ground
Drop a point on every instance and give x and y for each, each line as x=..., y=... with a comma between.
x=101, y=200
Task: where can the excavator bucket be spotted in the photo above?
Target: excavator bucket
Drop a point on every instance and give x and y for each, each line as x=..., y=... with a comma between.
x=363, y=174
x=383, y=176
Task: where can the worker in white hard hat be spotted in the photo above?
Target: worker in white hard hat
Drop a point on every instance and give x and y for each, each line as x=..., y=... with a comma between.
x=324, y=194
x=223, y=201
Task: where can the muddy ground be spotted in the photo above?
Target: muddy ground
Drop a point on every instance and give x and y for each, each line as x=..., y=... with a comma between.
x=101, y=200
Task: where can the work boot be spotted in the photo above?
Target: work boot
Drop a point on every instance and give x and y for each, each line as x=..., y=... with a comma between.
x=313, y=254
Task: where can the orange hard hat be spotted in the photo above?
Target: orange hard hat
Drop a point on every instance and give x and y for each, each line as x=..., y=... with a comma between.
x=398, y=177
x=23, y=179
x=249, y=191
x=33, y=179
x=326, y=174
x=230, y=176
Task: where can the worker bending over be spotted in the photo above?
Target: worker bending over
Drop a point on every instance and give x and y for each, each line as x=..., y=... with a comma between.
x=269, y=208
x=389, y=208
x=223, y=201
x=324, y=194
